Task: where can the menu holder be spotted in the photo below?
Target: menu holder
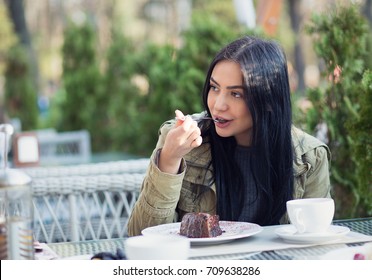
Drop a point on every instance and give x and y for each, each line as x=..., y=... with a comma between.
x=26, y=150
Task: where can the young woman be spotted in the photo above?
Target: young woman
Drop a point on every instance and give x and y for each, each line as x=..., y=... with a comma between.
x=242, y=158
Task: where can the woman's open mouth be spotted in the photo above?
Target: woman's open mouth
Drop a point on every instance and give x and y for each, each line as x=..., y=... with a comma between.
x=220, y=120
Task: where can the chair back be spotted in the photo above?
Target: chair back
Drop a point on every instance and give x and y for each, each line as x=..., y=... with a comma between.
x=60, y=148
x=48, y=147
x=76, y=208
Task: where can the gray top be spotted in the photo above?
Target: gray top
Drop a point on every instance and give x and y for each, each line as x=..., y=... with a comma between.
x=252, y=195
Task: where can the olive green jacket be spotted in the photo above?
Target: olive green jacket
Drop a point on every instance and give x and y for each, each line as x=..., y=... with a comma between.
x=165, y=198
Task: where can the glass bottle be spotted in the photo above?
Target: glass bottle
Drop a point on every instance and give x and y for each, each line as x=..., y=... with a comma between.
x=16, y=208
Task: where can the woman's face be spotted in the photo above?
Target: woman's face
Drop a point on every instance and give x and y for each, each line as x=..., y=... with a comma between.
x=227, y=105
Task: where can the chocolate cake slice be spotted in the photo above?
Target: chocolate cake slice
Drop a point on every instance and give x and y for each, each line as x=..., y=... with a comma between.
x=199, y=225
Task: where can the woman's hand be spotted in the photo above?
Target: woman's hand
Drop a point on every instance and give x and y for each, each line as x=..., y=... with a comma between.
x=181, y=139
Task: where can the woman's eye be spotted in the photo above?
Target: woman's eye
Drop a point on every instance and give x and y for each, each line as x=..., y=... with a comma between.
x=214, y=88
x=236, y=94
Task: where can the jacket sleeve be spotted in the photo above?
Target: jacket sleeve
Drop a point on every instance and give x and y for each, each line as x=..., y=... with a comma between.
x=317, y=181
x=311, y=168
x=159, y=195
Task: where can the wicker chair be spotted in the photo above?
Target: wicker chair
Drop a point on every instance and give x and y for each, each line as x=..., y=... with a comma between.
x=73, y=208
x=114, y=167
x=85, y=201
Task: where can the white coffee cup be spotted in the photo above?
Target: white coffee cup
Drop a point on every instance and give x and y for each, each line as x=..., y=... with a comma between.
x=311, y=215
x=157, y=247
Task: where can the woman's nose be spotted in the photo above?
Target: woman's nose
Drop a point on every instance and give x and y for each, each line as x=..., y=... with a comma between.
x=221, y=102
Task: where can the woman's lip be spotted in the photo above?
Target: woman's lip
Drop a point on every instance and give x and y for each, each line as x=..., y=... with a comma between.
x=218, y=118
x=222, y=124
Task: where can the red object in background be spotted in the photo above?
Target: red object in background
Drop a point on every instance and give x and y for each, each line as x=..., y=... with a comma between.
x=268, y=13
x=359, y=257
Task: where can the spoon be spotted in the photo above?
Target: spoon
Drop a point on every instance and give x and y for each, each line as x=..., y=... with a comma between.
x=199, y=119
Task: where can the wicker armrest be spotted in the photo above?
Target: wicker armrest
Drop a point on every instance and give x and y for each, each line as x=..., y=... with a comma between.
x=113, y=167
x=87, y=184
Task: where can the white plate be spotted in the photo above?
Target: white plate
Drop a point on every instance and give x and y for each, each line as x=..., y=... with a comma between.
x=231, y=231
x=289, y=234
x=347, y=253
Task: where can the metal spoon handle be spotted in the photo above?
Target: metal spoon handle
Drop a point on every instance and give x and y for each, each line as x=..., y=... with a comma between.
x=198, y=119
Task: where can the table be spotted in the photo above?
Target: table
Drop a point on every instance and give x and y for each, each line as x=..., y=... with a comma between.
x=360, y=225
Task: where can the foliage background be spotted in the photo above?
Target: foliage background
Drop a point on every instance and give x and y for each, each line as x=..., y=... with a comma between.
x=341, y=42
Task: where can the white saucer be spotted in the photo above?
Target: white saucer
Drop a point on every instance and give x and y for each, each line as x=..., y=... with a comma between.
x=289, y=234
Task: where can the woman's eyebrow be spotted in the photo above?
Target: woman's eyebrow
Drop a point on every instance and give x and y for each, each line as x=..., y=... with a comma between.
x=214, y=81
x=228, y=87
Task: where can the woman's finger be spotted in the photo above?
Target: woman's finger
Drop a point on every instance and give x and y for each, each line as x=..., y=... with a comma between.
x=180, y=117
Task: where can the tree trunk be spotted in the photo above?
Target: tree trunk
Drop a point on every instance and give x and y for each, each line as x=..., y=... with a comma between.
x=17, y=15
x=16, y=12
x=294, y=13
x=367, y=11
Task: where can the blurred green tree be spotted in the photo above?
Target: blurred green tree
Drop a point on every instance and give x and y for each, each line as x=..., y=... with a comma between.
x=7, y=37
x=361, y=129
x=7, y=40
x=16, y=11
x=85, y=101
x=340, y=41
x=120, y=128
x=157, y=65
x=20, y=91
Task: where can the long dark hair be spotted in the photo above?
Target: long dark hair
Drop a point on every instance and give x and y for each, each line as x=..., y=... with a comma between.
x=267, y=95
